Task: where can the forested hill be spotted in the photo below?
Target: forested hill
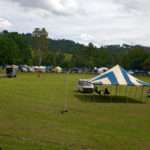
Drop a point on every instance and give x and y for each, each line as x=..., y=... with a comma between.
x=68, y=46
x=16, y=48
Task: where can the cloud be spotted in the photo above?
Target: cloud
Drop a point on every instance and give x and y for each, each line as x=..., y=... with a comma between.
x=135, y=6
x=4, y=24
x=98, y=21
x=86, y=38
x=59, y=7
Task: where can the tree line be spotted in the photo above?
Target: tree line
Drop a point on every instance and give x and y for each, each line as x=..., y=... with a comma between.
x=16, y=48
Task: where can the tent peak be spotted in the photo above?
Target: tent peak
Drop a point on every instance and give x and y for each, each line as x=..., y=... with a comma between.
x=117, y=66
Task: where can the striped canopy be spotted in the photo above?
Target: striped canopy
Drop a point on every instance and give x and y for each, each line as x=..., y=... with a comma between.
x=117, y=76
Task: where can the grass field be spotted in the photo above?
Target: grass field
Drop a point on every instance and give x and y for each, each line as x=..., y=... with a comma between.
x=31, y=118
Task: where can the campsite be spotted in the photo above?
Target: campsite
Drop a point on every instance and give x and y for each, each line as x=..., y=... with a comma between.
x=31, y=117
x=74, y=75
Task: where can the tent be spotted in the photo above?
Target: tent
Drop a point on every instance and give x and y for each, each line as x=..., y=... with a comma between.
x=57, y=69
x=117, y=76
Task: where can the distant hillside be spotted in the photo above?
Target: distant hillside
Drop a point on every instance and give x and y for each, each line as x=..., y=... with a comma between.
x=68, y=46
x=65, y=46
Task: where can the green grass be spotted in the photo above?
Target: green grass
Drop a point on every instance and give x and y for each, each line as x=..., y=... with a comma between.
x=31, y=118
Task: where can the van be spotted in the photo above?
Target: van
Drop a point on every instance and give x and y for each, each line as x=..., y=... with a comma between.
x=11, y=71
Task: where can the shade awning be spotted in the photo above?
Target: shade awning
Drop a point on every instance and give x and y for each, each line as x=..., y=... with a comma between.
x=117, y=76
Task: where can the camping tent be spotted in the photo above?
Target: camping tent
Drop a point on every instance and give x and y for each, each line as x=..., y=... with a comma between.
x=57, y=69
x=117, y=76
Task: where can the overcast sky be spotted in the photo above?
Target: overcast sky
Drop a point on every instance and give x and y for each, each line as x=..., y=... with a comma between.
x=99, y=21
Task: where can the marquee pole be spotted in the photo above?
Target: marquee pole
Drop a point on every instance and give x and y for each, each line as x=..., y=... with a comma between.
x=142, y=93
x=116, y=90
x=135, y=92
x=111, y=95
x=147, y=96
x=126, y=94
x=66, y=93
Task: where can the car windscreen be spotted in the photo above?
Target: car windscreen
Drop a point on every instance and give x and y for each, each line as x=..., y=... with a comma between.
x=9, y=70
x=84, y=83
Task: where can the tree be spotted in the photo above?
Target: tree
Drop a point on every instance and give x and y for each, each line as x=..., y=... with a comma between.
x=146, y=64
x=40, y=44
x=103, y=58
x=8, y=51
x=135, y=58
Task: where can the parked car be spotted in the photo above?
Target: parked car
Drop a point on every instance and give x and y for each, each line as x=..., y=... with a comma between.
x=141, y=72
x=39, y=68
x=75, y=70
x=131, y=72
x=85, y=86
x=23, y=68
x=11, y=71
x=49, y=68
x=100, y=70
x=148, y=92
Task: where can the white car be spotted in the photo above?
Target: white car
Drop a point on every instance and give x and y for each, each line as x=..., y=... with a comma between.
x=131, y=72
x=85, y=86
x=39, y=69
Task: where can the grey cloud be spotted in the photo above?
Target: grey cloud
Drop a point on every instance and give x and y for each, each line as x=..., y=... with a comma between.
x=98, y=21
x=59, y=7
x=135, y=6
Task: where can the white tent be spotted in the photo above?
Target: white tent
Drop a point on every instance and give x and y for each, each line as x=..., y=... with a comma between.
x=57, y=69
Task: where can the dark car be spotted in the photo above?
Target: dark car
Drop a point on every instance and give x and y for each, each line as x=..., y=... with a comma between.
x=11, y=71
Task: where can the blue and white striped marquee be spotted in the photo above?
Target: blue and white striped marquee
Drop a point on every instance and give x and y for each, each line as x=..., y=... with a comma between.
x=117, y=76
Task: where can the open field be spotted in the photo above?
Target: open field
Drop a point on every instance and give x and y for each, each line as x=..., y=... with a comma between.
x=31, y=118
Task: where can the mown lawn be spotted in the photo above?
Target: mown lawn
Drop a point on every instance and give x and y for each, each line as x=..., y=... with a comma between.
x=31, y=118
